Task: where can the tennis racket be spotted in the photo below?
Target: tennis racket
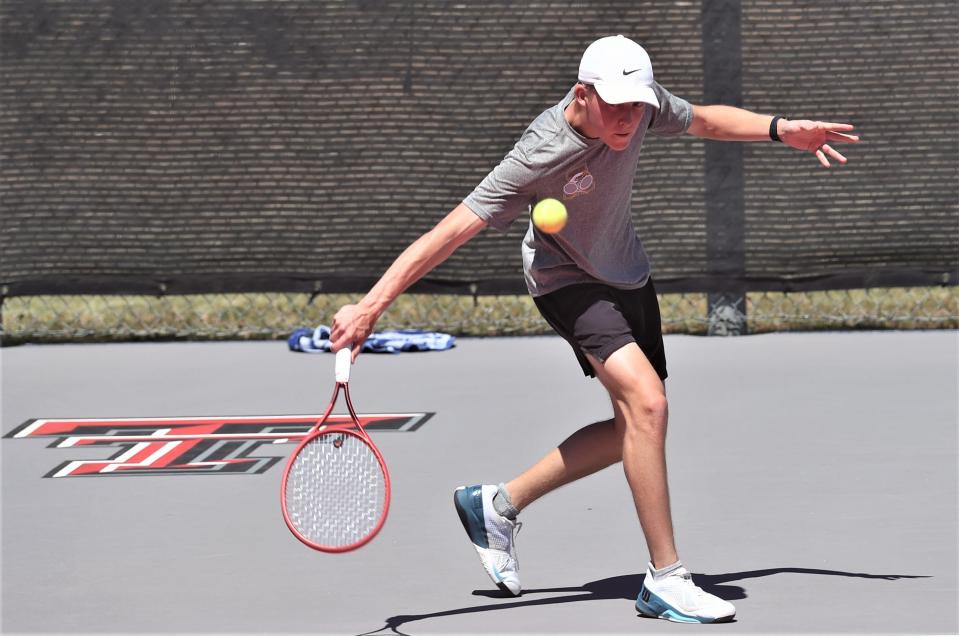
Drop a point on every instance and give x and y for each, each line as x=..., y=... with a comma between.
x=336, y=489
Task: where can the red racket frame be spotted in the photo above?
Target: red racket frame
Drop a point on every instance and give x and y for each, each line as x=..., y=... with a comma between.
x=355, y=429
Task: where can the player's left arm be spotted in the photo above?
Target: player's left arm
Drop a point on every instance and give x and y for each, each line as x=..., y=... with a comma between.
x=728, y=123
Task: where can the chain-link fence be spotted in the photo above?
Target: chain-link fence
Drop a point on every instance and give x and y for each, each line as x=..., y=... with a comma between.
x=184, y=147
x=273, y=316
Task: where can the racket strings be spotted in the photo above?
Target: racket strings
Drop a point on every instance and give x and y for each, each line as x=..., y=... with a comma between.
x=336, y=490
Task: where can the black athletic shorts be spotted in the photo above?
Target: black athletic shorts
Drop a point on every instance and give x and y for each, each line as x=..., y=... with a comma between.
x=599, y=319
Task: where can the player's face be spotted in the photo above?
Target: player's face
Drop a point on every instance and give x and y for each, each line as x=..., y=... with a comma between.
x=614, y=124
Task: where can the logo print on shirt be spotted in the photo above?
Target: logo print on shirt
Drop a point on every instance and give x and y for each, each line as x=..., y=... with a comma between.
x=580, y=182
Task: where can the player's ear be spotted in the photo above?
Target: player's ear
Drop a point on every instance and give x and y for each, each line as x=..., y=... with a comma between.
x=581, y=92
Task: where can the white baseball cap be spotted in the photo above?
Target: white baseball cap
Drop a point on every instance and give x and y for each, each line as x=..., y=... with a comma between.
x=620, y=70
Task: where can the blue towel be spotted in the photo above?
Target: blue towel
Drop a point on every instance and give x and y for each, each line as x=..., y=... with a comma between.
x=318, y=340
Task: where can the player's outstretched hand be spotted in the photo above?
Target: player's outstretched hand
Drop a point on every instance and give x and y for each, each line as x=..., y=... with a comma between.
x=814, y=137
x=351, y=327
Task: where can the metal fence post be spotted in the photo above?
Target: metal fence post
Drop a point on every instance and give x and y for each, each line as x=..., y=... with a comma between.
x=725, y=222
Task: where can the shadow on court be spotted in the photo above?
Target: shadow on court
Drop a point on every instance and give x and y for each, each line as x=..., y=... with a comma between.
x=624, y=587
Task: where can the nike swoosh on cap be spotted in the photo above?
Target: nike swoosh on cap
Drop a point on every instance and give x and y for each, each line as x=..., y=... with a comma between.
x=635, y=70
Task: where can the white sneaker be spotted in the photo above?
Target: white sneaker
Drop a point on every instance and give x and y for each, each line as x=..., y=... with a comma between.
x=492, y=535
x=676, y=598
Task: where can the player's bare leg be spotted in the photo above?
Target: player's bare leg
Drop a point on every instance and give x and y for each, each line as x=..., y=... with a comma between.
x=636, y=435
x=639, y=402
x=586, y=451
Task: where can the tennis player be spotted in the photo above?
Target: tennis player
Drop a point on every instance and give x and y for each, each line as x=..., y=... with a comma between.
x=591, y=281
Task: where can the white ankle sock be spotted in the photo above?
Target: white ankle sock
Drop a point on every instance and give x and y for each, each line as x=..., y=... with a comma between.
x=503, y=505
x=666, y=571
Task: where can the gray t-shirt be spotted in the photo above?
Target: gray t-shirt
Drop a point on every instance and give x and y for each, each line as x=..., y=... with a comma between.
x=551, y=159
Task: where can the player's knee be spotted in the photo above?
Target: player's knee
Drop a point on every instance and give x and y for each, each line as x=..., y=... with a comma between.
x=655, y=408
x=650, y=413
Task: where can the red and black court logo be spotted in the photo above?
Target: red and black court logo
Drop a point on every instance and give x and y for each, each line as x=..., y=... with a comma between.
x=187, y=445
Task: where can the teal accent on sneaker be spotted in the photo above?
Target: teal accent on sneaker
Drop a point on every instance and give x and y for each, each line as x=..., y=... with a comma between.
x=468, y=501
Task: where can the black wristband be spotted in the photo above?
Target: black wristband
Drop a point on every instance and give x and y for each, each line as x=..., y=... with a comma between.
x=773, y=133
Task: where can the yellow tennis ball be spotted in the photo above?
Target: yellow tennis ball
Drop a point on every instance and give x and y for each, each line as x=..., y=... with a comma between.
x=549, y=215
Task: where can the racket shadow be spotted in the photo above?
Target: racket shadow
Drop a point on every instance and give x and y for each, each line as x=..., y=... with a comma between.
x=623, y=587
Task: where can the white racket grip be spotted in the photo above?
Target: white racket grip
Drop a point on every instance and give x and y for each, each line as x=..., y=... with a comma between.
x=344, y=358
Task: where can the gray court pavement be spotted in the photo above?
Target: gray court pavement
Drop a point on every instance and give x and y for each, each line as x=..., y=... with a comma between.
x=813, y=476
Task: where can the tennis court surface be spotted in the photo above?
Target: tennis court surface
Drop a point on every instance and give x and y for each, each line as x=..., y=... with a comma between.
x=813, y=478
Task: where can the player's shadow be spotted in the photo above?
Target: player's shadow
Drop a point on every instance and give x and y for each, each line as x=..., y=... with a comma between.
x=617, y=587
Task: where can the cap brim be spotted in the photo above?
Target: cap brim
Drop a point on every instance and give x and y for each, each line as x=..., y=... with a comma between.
x=623, y=92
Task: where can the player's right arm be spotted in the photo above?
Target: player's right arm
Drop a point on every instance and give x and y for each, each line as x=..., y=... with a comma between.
x=354, y=323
